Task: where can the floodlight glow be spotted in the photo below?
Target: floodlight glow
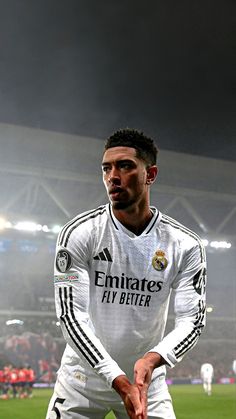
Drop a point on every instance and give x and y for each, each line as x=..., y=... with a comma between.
x=26, y=226
x=8, y=224
x=2, y=223
x=56, y=229
x=14, y=321
x=220, y=244
x=45, y=228
x=205, y=242
x=209, y=309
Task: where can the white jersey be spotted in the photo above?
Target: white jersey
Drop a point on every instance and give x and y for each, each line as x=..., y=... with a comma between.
x=207, y=371
x=234, y=366
x=112, y=291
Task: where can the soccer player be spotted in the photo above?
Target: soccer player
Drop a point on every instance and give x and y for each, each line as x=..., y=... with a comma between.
x=31, y=377
x=234, y=366
x=115, y=268
x=207, y=373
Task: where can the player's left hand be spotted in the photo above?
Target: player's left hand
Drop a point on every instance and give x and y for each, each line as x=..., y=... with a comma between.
x=143, y=370
x=142, y=378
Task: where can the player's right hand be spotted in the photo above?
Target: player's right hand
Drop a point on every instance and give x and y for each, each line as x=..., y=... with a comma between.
x=131, y=397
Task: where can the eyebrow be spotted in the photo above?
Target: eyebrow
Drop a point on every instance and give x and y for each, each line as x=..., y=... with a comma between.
x=119, y=161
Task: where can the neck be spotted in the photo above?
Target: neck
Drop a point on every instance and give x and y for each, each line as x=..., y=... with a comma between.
x=134, y=219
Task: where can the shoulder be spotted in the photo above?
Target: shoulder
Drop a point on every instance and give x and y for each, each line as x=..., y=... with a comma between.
x=186, y=239
x=180, y=231
x=81, y=224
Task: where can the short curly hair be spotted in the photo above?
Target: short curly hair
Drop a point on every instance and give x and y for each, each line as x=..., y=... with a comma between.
x=145, y=146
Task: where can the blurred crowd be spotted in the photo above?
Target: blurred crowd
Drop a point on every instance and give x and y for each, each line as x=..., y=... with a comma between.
x=16, y=382
x=218, y=353
x=41, y=352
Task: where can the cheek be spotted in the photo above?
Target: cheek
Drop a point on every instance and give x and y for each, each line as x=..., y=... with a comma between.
x=137, y=182
x=105, y=182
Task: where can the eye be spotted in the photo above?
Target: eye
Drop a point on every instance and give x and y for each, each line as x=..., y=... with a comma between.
x=105, y=169
x=125, y=165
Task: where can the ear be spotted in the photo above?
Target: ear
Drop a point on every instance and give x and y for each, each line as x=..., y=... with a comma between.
x=152, y=172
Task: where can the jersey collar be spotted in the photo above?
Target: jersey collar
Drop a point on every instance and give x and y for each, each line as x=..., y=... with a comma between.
x=119, y=226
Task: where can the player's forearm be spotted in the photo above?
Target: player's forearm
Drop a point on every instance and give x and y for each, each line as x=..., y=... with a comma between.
x=93, y=352
x=179, y=341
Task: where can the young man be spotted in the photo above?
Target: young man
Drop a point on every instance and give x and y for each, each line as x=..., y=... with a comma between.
x=207, y=373
x=115, y=268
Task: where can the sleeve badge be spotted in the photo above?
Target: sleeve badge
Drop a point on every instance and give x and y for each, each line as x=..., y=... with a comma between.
x=63, y=260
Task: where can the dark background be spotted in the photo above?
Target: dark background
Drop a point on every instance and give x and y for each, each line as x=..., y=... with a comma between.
x=89, y=67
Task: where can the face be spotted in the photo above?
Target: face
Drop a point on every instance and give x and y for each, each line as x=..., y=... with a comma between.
x=124, y=176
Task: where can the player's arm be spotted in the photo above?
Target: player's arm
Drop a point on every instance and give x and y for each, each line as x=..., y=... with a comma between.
x=71, y=281
x=190, y=309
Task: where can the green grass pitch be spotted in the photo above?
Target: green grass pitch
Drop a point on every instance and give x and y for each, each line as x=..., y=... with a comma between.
x=189, y=402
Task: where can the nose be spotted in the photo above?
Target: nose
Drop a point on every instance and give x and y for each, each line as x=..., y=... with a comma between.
x=114, y=176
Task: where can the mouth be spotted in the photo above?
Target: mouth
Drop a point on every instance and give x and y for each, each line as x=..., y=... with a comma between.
x=115, y=192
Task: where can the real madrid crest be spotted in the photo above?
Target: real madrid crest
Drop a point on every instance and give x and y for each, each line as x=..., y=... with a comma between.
x=159, y=261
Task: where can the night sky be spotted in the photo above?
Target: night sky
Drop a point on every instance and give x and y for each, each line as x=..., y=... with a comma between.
x=91, y=67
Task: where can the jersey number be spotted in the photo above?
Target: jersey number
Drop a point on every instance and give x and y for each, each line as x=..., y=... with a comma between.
x=55, y=409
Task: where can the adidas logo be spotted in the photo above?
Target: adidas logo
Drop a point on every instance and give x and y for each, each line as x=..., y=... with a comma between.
x=103, y=255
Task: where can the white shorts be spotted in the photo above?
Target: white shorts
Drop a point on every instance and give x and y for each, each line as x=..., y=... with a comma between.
x=87, y=402
x=207, y=380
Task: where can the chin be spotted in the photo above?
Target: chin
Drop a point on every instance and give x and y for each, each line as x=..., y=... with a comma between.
x=119, y=205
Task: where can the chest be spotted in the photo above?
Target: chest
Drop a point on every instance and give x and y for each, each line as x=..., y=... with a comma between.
x=150, y=258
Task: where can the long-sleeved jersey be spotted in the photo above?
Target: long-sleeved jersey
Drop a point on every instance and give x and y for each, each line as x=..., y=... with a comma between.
x=207, y=371
x=112, y=291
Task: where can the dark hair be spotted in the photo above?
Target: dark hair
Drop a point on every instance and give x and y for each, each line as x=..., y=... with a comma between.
x=145, y=147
